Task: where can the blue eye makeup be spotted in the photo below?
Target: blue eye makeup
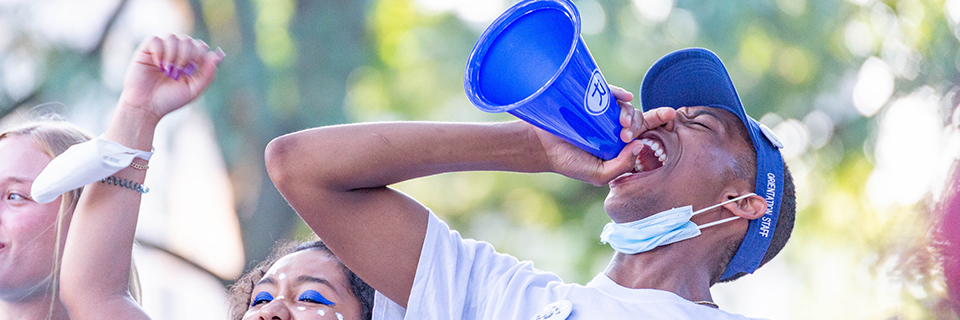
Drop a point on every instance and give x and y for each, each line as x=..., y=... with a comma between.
x=262, y=297
x=315, y=297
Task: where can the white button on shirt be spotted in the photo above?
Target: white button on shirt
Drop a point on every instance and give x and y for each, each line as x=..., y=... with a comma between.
x=467, y=279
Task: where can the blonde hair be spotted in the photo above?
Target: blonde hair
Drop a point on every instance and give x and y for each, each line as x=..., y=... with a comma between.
x=53, y=137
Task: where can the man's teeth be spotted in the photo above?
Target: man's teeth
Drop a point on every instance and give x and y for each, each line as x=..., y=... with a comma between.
x=657, y=151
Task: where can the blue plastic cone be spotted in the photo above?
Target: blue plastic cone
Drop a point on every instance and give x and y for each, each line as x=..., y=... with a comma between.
x=532, y=63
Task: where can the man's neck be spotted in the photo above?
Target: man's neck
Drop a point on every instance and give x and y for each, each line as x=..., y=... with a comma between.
x=662, y=269
x=35, y=307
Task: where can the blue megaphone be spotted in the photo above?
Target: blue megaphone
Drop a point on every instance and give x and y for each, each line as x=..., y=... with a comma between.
x=532, y=63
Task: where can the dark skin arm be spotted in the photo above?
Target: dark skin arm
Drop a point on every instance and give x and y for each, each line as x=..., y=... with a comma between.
x=337, y=179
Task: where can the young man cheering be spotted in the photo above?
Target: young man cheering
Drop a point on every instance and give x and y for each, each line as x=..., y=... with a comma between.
x=693, y=148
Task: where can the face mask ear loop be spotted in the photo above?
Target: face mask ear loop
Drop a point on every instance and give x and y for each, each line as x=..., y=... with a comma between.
x=707, y=225
x=723, y=203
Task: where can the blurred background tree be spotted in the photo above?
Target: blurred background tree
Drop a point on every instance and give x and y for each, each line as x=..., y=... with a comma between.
x=863, y=94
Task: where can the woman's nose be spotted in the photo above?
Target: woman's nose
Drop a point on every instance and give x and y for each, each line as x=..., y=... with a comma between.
x=275, y=310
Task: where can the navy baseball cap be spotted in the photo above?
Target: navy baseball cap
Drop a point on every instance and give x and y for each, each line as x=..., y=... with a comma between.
x=697, y=77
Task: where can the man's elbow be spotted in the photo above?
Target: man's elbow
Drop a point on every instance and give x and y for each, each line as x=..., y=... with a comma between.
x=280, y=158
x=293, y=163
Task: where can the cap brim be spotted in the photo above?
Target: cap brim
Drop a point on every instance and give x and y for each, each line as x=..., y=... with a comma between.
x=697, y=77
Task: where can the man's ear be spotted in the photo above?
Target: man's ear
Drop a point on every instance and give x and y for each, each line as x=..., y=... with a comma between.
x=748, y=208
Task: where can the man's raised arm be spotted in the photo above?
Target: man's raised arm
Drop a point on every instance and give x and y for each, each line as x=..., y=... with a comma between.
x=336, y=178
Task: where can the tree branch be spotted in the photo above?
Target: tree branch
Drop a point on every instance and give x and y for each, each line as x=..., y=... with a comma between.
x=94, y=52
x=154, y=246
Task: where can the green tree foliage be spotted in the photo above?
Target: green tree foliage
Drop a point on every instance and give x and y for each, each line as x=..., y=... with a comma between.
x=795, y=64
x=828, y=76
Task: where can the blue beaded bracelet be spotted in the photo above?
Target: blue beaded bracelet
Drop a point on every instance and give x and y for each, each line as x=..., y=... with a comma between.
x=126, y=184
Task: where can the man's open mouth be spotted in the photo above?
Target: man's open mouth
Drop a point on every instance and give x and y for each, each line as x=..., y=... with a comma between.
x=652, y=156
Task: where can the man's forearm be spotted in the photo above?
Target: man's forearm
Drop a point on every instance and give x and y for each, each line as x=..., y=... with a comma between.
x=351, y=157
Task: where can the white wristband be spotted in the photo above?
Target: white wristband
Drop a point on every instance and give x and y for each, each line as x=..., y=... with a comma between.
x=83, y=164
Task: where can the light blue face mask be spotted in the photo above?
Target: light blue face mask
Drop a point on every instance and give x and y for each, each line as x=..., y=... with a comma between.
x=660, y=229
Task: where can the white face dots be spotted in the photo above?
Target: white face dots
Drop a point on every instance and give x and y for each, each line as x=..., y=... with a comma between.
x=288, y=276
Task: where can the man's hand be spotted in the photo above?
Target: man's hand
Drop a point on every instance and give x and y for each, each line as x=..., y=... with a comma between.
x=570, y=161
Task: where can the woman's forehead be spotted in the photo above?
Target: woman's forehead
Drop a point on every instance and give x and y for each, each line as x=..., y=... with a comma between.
x=306, y=262
x=19, y=156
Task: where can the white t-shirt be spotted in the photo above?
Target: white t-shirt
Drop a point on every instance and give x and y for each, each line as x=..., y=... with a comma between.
x=466, y=279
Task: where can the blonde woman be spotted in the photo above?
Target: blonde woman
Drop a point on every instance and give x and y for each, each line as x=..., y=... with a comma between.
x=30, y=235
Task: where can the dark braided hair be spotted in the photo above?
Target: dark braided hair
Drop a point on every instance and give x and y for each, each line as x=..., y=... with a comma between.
x=241, y=290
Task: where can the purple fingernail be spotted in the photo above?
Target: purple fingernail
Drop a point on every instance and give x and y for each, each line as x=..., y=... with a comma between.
x=190, y=69
x=168, y=70
x=176, y=73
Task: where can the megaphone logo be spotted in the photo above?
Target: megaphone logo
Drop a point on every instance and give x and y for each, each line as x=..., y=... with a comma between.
x=597, y=97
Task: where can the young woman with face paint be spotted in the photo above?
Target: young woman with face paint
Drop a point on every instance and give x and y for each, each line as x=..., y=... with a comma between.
x=163, y=75
x=31, y=234
x=296, y=283
x=304, y=281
